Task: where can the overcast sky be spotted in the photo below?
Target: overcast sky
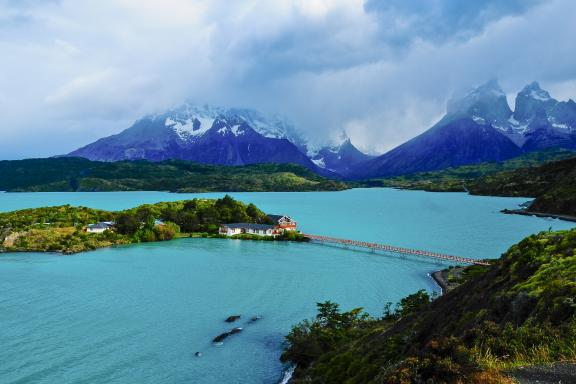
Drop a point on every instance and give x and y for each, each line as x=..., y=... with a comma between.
x=72, y=71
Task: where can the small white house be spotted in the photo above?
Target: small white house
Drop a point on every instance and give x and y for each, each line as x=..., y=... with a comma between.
x=100, y=227
x=247, y=228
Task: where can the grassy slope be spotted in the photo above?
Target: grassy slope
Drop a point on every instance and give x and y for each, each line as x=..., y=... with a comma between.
x=520, y=311
x=76, y=174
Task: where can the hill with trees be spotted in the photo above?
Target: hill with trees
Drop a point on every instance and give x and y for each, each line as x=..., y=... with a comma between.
x=518, y=312
x=548, y=176
x=70, y=174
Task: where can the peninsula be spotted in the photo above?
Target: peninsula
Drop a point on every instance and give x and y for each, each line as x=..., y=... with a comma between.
x=69, y=229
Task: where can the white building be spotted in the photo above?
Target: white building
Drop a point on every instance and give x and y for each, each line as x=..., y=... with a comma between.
x=248, y=228
x=100, y=227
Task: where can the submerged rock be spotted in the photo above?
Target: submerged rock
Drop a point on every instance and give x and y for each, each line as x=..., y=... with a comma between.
x=220, y=337
x=224, y=335
x=231, y=319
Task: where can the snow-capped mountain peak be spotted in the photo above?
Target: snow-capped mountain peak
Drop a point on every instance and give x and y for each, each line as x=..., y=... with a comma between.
x=339, y=158
x=485, y=104
x=538, y=119
x=534, y=91
x=190, y=121
x=204, y=134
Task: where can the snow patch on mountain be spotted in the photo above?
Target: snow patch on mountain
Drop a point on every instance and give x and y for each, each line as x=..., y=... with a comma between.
x=540, y=94
x=183, y=120
x=190, y=128
x=561, y=126
x=236, y=130
x=479, y=120
x=319, y=162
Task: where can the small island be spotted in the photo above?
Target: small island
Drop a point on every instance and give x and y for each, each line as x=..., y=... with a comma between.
x=69, y=229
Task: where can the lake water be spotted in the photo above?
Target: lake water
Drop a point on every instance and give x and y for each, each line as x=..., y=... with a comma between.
x=137, y=314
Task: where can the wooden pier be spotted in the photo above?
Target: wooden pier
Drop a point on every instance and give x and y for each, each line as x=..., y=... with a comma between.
x=397, y=250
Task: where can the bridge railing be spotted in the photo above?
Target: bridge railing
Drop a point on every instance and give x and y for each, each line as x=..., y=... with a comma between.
x=391, y=248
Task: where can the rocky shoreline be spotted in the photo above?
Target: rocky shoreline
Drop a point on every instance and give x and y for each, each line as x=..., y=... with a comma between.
x=525, y=212
x=440, y=280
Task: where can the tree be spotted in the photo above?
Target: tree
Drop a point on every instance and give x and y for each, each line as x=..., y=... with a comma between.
x=208, y=215
x=191, y=205
x=188, y=221
x=328, y=313
x=239, y=215
x=227, y=201
x=253, y=212
x=144, y=214
x=127, y=224
x=413, y=303
x=166, y=232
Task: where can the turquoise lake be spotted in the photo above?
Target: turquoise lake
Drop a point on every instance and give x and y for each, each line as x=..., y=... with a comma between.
x=137, y=314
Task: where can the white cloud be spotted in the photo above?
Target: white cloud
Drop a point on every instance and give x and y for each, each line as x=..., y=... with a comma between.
x=74, y=71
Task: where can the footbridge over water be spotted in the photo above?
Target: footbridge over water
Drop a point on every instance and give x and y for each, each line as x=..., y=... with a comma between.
x=396, y=250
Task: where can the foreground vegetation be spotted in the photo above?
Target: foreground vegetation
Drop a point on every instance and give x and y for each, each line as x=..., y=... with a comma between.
x=77, y=174
x=520, y=311
x=63, y=228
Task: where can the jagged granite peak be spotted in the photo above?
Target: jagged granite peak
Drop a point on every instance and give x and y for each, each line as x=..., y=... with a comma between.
x=543, y=121
x=535, y=110
x=485, y=104
x=532, y=100
x=480, y=126
x=340, y=158
x=204, y=134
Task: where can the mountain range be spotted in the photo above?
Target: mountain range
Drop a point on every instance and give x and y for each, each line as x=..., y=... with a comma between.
x=206, y=135
x=479, y=126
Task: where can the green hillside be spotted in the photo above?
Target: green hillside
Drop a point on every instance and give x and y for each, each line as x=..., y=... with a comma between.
x=553, y=185
x=77, y=174
x=548, y=176
x=458, y=179
x=518, y=312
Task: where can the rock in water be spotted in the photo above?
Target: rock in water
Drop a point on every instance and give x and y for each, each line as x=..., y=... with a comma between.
x=235, y=330
x=224, y=335
x=231, y=319
x=221, y=337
